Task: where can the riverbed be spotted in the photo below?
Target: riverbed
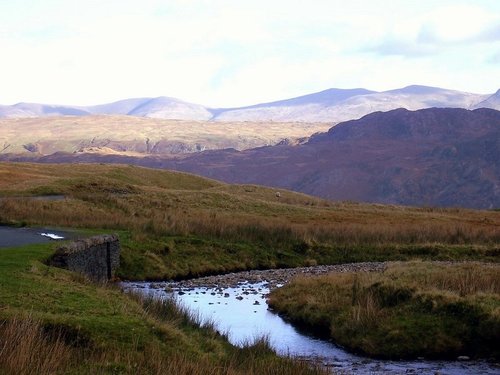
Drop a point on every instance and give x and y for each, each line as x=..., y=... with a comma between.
x=236, y=303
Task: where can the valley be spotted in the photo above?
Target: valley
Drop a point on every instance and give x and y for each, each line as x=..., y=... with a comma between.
x=445, y=157
x=175, y=225
x=250, y=188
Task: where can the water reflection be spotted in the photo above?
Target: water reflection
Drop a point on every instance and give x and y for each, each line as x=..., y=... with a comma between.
x=242, y=313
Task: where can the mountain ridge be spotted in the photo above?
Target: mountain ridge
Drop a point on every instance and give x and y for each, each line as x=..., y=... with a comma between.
x=330, y=105
x=435, y=157
x=430, y=157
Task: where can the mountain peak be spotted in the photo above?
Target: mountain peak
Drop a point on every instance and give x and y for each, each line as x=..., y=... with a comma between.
x=330, y=106
x=492, y=101
x=417, y=90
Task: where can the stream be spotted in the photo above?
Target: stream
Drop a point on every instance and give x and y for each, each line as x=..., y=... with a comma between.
x=239, y=309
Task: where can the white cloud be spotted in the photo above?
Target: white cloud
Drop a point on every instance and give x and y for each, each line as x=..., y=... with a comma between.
x=227, y=53
x=459, y=23
x=437, y=30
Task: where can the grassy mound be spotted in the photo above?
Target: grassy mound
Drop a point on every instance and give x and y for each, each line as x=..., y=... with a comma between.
x=175, y=225
x=409, y=310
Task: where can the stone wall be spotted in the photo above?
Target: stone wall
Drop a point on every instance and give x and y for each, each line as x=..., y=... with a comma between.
x=96, y=257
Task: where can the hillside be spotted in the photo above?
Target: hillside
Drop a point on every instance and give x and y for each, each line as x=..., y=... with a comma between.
x=138, y=136
x=175, y=225
x=332, y=105
x=432, y=157
x=53, y=321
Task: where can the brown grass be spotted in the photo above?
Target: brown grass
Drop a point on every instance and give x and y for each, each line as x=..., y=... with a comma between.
x=411, y=309
x=26, y=349
x=236, y=226
x=463, y=279
x=140, y=215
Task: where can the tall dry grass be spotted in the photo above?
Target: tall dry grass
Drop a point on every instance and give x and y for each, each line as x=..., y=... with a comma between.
x=154, y=217
x=26, y=349
x=462, y=279
x=431, y=309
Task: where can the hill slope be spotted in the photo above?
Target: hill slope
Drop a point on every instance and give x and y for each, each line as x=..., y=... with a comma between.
x=141, y=136
x=174, y=224
x=438, y=157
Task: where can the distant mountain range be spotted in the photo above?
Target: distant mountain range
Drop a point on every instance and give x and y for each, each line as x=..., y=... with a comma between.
x=141, y=135
x=433, y=157
x=332, y=105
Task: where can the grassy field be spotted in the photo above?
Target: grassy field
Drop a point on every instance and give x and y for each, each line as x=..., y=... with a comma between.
x=176, y=225
x=53, y=321
x=410, y=310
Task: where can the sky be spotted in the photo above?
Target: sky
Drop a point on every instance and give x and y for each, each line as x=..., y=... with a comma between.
x=228, y=53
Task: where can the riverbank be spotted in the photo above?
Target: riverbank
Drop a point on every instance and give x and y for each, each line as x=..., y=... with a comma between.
x=236, y=304
x=53, y=321
x=414, y=309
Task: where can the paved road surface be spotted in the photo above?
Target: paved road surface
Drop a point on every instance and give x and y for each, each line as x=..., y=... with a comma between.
x=10, y=237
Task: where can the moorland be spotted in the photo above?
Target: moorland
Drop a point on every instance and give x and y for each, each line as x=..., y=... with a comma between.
x=174, y=225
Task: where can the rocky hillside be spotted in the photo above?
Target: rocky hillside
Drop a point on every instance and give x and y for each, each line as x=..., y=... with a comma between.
x=435, y=157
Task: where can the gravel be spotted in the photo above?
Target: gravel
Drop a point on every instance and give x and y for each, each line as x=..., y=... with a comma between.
x=271, y=278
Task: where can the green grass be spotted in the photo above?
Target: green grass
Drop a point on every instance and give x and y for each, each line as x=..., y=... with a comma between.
x=176, y=225
x=59, y=297
x=99, y=329
x=410, y=310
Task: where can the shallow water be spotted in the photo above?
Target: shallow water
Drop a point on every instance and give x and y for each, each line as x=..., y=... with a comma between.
x=242, y=313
